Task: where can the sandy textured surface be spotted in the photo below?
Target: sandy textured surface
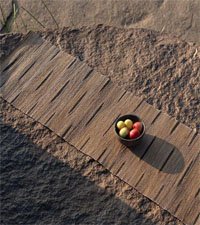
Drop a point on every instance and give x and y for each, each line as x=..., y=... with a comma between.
x=180, y=17
x=5, y=11
x=46, y=181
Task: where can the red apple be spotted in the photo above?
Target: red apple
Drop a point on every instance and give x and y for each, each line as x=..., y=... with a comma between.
x=138, y=126
x=134, y=133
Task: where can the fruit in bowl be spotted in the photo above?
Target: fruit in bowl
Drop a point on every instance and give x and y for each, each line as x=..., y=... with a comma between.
x=120, y=125
x=134, y=133
x=128, y=123
x=124, y=132
x=129, y=129
x=137, y=126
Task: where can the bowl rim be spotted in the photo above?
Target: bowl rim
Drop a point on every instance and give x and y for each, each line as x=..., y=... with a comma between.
x=139, y=120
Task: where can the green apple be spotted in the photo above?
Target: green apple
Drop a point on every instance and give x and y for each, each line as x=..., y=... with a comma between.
x=123, y=132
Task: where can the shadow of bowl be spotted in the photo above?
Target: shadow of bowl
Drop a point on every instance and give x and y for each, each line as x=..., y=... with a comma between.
x=160, y=154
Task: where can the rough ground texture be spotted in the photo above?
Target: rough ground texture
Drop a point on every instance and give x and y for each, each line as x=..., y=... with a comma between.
x=44, y=180
x=180, y=17
x=5, y=11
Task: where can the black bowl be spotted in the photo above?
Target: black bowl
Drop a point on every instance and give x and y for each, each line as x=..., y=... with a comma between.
x=127, y=141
